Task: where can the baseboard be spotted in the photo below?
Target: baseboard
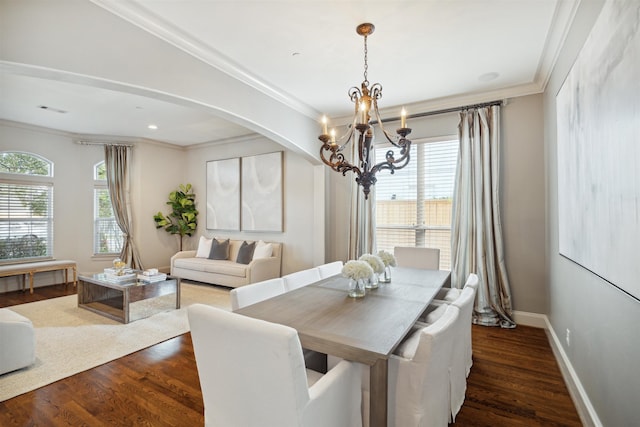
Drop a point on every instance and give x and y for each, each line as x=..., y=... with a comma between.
x=530, y=319
x=585, y=409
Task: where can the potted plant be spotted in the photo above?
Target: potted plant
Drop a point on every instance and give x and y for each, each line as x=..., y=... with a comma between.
x=183, y=219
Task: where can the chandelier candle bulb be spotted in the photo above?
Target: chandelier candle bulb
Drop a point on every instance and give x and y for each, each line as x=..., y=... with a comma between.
x=332, y=139
x=324, y=125
x=403, y=119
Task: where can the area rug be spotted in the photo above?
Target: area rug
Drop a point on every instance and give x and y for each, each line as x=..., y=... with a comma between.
x=70, y=339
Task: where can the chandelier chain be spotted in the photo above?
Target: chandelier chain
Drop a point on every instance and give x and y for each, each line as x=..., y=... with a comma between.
x=366, y=64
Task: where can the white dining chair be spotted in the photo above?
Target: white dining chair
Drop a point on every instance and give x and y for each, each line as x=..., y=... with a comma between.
x=418, y=376
x=465, y=303
x=330, y=269
x=448, y=295
x=462, y=350
x=422, y=258
x=256, y=292
x=260, y=291
x=462, y=358
x=301, y=278
x=252, y=374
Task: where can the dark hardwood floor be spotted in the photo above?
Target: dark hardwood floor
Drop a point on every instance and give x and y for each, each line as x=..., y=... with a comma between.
x=515, y=381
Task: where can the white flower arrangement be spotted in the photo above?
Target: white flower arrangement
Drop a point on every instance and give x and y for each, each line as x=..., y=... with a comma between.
x=374, y=261
x=387, y=258
x=357, y=270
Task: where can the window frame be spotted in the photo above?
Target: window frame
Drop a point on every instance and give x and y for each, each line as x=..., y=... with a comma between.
x=16, y=180
x=425, y=234
x=100, y=185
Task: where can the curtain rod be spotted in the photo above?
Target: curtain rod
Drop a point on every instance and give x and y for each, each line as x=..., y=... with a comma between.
x=444, y=111
x=82, y=142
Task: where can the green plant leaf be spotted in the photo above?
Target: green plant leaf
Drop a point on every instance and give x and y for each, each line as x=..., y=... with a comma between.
x=183, y=218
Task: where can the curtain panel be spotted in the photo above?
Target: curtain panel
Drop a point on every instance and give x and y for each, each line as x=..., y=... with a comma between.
x=476, y=235
x=362, y=226
x=117, y=163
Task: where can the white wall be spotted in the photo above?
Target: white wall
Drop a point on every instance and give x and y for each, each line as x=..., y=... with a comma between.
x=300, y=186
x=602, y=320
x=522, y=197
x=156, y=170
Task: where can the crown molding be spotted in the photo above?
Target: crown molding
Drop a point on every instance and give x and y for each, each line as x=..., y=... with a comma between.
x=559, y=29
x=457, y=101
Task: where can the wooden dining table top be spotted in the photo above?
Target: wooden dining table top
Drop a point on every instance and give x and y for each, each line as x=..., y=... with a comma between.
x=359, y=329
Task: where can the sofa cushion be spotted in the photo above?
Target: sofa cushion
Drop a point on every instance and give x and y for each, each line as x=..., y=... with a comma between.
x=204, y=247
x=222, y=267
x=219, y=249
x=245, y=254
x=227, y=268
x=263, y=250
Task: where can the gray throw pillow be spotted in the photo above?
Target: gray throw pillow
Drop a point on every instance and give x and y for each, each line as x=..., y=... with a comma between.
x=245, y=254
x=219, y=249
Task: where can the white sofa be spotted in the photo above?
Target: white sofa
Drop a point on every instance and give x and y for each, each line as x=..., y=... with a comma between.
x=228, y=272
x=17, y=341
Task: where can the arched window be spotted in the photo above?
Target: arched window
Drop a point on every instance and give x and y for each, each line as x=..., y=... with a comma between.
x=107, y=236
x=26, y=206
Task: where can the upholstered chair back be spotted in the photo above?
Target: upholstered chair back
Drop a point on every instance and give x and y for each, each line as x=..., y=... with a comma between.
x=256, y=292
x=330, y=269
x=423, y=258
x=251, y=372
x=301, y=278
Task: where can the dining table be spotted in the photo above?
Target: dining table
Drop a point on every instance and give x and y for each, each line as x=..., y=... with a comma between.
x=365, y=330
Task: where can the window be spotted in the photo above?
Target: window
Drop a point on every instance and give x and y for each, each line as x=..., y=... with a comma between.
x=26, y=206
x=107, y=236
x=413, y=206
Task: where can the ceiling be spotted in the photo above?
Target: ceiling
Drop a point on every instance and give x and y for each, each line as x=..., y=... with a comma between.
x=306, y=53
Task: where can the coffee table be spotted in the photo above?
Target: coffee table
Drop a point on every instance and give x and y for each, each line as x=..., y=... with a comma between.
x=115, y=299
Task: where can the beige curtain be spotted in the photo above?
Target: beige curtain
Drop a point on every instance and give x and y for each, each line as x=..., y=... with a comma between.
x=362, y=226
x=117, y=166
x=476, y=235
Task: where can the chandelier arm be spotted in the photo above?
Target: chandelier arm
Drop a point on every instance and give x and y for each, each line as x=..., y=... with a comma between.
x=391, y=166
x=337, y=161
x=346, y=138
x=354, y=95
x=376, y=93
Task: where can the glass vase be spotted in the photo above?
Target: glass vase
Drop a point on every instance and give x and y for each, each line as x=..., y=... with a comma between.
x=385, y=276
x=372, y=282
x=356, y=288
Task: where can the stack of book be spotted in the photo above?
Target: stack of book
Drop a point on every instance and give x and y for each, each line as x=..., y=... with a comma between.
x=151, y=276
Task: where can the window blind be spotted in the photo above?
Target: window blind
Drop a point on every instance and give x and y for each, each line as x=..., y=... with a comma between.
x=413, y=206
x=107, y=234
x=26, y=220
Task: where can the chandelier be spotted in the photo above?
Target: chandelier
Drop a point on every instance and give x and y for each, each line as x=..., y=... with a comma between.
x=365, y=99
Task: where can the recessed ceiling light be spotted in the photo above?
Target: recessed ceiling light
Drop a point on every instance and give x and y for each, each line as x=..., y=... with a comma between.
x=152, y=127
x=488, y=77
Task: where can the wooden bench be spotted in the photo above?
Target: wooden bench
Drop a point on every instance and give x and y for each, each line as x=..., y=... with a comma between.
x=38, y=267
